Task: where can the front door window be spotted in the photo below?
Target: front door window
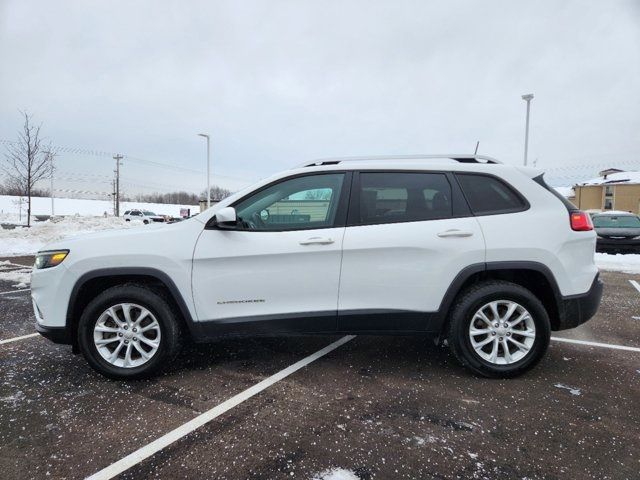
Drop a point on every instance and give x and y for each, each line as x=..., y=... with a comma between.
x=299, y=203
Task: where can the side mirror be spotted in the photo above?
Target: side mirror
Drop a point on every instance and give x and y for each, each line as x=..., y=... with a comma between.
x=226, y=217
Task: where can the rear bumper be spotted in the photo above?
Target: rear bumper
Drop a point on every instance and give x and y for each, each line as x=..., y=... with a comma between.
x=575, y=310
x=621, y=245
x=55, y=334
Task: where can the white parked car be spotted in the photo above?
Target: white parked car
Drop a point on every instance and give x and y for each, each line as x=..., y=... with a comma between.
x=145, y=216
x=454, y=247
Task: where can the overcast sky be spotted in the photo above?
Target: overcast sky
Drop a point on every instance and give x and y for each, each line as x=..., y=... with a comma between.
x=280, y=82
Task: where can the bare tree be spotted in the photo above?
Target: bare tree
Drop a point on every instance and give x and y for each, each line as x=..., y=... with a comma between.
x=27, y=161
x=217, y=193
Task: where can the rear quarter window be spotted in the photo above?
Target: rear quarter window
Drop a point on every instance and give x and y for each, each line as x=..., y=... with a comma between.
x=489, y=195
x=567, y=203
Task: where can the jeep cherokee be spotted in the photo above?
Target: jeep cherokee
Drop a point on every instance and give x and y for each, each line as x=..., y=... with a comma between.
x=459, y=248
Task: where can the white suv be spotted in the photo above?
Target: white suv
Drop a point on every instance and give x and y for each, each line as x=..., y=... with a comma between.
x=145, y=216
x=453, y=247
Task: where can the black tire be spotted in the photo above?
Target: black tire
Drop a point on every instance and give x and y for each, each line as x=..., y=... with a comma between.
x=127, y=220
x=170, y=331
x=470, y=301
x=146, y=222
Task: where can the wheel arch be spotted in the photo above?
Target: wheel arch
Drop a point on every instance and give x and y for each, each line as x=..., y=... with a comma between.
x=533, y=276
x=96, y=281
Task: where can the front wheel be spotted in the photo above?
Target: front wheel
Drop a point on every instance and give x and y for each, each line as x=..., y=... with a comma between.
x=128, y=332
x=499, y=329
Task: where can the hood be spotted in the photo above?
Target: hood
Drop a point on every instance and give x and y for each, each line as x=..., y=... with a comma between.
x=117, y=236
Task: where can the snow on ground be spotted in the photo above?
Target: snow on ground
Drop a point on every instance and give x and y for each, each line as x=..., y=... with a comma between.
x=629, y=263
x=10, y=207
x=336, y=474
x=19, y=278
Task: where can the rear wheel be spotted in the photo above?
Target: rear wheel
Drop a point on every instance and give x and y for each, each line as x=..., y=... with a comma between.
x=499, y=329
x=128, y=332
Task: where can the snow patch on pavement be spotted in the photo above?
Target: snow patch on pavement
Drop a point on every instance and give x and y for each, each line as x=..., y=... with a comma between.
x=420, y=441
x=19, y=278
x=572, y=391
x=335, y=474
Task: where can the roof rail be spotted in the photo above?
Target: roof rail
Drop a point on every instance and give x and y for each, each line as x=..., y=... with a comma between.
x=461, y=158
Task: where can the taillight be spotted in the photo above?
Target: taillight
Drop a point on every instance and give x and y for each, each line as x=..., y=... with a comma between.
x=581, y=221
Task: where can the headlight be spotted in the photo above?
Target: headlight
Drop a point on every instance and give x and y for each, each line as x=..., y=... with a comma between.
x=51, y=258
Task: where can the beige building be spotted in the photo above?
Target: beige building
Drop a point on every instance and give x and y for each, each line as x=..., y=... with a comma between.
x=613, y=190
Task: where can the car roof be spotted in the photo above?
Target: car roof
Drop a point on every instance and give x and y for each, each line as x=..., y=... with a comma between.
x=444, y=162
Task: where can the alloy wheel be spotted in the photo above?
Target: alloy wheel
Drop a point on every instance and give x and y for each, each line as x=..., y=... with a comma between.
x=502, y=332
x=127, y=335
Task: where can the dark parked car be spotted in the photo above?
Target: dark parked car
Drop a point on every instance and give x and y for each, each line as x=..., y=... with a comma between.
x=618, y=232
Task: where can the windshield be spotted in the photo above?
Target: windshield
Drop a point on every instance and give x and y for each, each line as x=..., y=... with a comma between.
x=615, y=221
x=148, y=213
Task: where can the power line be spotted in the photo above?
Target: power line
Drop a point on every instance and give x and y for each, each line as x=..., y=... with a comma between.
x=133, y=158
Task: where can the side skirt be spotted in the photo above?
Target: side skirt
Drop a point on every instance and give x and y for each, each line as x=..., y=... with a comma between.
x=374, y=322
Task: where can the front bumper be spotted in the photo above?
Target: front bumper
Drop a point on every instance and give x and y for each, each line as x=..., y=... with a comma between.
x=575, y=310
x=55, y=334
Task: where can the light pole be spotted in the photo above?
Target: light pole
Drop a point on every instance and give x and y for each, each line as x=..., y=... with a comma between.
x=208, y=168
x=51, y=188
x=527, y=98
x=51, y=155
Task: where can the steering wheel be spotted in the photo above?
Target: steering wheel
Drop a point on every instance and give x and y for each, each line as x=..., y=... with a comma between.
x=255, y=221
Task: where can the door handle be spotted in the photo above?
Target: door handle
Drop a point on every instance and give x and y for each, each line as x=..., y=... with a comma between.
x=317, y=241
x=454, y=232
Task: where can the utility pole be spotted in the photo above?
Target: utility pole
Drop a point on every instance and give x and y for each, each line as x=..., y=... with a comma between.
x=113, y=196
x=527, y=98
x=117, y=158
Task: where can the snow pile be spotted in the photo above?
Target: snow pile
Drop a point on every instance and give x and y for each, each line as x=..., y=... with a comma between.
x=629, y=263
x=19, y=278
x=12, y=210
x=335, y=474
x=27, y=241
x=18, y=275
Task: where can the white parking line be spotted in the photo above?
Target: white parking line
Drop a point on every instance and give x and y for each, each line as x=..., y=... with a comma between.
x=15, y=339
x=183, y=430
x=635, y=284
x=596, y=344
x=15, y=291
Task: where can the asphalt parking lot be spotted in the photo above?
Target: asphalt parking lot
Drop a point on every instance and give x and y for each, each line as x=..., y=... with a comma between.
x=380, y=407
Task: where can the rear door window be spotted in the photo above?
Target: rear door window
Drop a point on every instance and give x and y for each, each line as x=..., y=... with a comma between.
x=489, y=195
x=390, y=197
